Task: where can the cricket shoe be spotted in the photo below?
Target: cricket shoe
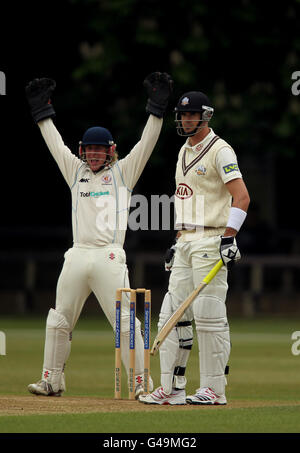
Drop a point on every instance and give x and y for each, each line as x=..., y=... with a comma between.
x=206, y=396
x=139, y=385
x=177, y=397
x=42, y=387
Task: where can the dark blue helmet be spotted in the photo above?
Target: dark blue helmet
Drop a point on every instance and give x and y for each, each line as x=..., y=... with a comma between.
x=97, y=136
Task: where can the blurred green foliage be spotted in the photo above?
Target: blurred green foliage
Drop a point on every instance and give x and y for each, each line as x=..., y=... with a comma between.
x=242, y=55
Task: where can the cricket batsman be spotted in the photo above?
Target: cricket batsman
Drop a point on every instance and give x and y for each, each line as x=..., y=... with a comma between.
x=96, y=262
x=211, y=202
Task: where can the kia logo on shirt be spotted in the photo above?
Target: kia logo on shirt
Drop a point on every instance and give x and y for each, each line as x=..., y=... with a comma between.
x=183, y=191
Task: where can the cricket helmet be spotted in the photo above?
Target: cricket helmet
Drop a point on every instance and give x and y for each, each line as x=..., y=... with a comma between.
x=98, y=136
x=193, y=101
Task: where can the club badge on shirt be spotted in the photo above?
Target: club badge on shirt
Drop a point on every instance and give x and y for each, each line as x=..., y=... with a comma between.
x=201, y=170
x=106, y=179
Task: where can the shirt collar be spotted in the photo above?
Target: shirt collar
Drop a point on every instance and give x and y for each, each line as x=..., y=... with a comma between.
x=199, y=146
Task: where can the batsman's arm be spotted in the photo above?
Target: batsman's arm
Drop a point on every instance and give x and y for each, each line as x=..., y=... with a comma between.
x=228, y=169
x=240, y=202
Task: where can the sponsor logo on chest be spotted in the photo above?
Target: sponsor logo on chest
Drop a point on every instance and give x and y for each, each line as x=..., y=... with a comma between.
x=93, y=194
x=183, y=191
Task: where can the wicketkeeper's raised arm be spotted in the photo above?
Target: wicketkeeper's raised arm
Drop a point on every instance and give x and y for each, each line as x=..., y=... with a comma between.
x=39, y=93
x=159, y=87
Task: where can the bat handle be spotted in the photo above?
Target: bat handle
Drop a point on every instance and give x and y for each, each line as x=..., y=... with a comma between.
x=213, y=272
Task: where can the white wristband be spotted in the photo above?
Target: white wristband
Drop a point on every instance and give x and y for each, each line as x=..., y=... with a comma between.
x=236, y=218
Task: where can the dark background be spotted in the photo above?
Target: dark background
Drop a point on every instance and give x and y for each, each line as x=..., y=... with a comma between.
x=242, y=55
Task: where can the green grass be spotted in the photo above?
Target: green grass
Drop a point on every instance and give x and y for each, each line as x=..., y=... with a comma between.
x=272, y=420
x=262, y=370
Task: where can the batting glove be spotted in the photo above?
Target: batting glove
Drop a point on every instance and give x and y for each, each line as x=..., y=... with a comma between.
x=229, y=250
x=159, y=86
x=38, y=93
x=169, y=258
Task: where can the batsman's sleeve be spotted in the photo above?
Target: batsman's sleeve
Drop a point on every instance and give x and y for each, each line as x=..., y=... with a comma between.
x=227, y=164
x=134, y=163
x=67, y=162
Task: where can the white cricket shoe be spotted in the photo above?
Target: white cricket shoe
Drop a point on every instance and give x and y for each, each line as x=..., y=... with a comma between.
x=139, y=385
x=206, y=396
x=42, y=387
x=177, y=397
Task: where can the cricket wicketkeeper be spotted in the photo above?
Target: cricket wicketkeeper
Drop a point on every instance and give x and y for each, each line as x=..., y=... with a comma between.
x=96, y=262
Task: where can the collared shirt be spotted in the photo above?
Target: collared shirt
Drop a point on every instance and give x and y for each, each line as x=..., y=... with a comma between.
x=101, y=201
x=201, y=197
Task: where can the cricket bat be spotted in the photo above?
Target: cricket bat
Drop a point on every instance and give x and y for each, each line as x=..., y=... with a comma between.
x=176, y=316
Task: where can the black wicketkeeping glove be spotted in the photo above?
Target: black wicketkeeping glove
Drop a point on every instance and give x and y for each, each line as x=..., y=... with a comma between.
x=229, y=250
x=38, y=93
x=159, y=87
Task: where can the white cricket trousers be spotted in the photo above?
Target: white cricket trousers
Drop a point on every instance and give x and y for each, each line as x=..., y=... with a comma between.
x=86, y=270
x=193, y=260
x=101, y=271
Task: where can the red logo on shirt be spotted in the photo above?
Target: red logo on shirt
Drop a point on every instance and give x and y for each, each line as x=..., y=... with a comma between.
x=183, y=191
x=112, y=256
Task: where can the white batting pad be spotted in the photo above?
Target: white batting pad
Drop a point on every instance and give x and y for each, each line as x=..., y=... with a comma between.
x=214, y=341
x=171, y=355
x=185, y=338
x=57, y=346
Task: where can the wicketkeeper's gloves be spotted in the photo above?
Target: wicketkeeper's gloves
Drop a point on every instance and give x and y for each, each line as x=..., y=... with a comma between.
x=229, y=250
x=159, y=87
x=38, y=93
x=169, y=258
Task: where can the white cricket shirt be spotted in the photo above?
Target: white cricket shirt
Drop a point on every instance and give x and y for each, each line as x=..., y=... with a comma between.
x=201, y=197
x=101, y=201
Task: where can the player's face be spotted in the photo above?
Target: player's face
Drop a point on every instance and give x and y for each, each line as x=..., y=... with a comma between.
x=190, y=120
x=95, y=156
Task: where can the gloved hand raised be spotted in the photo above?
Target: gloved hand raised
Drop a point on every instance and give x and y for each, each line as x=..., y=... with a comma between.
x=38, y=93
x=159, y=87
x=229, y=250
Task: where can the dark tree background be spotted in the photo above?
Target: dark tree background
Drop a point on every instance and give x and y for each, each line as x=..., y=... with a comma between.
x=242, y=54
